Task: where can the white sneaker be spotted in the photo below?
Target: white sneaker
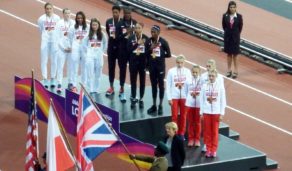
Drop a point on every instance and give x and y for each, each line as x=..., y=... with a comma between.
x=204, y=149
x=45, y=83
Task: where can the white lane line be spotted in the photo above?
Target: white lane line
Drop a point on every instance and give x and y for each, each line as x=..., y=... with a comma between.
x=235, y=81
x=231, y=108
x=261, y=121
x=21, y=19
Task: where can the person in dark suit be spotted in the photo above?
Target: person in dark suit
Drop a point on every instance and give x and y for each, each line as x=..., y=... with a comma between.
x=232, y=23
x=159, y=162
x=175, y=144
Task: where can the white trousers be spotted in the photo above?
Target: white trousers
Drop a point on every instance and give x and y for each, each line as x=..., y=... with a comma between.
x=73, y=65
x=61, y=58
x=92, y=73
x=48, y=50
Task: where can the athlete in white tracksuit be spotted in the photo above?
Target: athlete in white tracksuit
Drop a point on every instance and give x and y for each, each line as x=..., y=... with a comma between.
x=213, y=103
x=93, y=48
x=77, y=33
x=192, y=105
x=176, y=93
x=64, y=45
x=211, y=65
x=47, y=24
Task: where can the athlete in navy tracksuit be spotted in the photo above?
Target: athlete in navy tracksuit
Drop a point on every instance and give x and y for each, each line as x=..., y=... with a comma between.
x=157, y=50
x=112, y=51
x=137, y=63
x=123, y=31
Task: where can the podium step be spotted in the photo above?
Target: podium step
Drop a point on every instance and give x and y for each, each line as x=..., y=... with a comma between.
x=271, y=164
x=233, y=135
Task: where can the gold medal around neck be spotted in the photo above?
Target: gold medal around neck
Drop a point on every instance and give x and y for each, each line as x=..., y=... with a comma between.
x=153, y=55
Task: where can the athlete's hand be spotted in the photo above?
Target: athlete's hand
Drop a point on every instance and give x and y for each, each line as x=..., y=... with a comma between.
x=220, y=118
x=132, y=156
x=68, y=50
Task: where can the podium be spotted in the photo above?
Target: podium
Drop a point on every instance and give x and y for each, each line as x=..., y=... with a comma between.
x=140, y=131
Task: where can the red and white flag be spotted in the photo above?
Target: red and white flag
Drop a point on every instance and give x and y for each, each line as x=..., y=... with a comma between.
x=31, y=144
x=31, y=153
x=59, y=157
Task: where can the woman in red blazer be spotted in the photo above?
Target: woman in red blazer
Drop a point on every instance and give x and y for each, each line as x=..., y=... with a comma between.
x=232, y=25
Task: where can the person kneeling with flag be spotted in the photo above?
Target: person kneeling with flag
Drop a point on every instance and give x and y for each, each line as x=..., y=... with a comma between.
x=159, y=161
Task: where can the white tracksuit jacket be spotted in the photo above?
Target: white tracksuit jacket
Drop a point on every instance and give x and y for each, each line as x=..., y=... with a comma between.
x=193, y=85
x=216, y=92
x=176, y=76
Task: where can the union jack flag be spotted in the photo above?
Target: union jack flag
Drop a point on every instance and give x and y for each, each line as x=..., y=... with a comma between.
x=93, y=133
x=32, y=135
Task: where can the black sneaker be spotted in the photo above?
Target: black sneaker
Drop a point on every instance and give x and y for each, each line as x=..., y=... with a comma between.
x=234, y=75
x=141, y=104
x=70, y=85
x=133, y=104
x=59, y=88
x=122, y=97
x=160, y=110
x=133, y=99
x=229, y=74
x=152, y=109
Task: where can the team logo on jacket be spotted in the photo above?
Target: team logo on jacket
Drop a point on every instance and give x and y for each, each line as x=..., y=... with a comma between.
x=94, y=43
x=49, y=26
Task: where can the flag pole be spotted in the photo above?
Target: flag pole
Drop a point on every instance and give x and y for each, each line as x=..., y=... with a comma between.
x=63, y=133
x=34, y=108
x=109, y=124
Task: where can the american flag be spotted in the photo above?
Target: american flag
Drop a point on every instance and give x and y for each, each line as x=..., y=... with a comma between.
x=32, y=135
x=93, y=133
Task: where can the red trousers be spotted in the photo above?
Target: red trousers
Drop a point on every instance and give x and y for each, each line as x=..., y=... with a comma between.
x=194, y=123
x=211, y=131
x=179, y=104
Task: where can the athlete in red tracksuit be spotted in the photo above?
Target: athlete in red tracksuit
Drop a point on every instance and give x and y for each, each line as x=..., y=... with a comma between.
x=176, y=93
x=192, y=106
x=213, y=103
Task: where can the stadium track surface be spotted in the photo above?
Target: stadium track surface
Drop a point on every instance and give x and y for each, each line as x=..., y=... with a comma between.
x=20, y=44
